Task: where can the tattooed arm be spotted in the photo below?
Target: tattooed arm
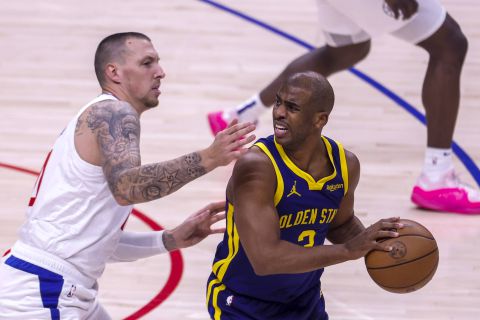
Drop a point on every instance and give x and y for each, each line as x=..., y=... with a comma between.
x=116, y=127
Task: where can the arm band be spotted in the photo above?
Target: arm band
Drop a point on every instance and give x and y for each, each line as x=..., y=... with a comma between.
x=138, y=245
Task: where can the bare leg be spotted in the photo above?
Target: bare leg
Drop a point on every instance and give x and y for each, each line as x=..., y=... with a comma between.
x=438, y=188
x=325, y=60
x=441, y=88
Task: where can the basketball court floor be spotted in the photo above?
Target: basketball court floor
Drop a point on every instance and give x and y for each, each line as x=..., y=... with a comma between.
x=214, y=59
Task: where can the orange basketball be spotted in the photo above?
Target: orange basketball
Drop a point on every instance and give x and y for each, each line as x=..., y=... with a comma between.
x=410, y=265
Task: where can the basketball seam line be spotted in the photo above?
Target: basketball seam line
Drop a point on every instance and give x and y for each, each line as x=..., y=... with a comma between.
x=412, y=285
x=396, y=265
x=407, y=235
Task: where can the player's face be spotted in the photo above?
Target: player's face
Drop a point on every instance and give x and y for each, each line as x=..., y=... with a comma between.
x=292, y=116
x=142, y=73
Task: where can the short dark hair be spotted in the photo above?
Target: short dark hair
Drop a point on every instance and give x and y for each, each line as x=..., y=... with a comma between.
x=322, y=95
x=112, y=48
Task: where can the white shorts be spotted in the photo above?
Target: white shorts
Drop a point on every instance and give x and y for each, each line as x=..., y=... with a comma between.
x=346, y=22
x=28, y=290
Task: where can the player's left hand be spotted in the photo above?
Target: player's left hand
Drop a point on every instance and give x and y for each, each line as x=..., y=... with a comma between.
x=198, y=226
x=402, y=9
x=229, y=143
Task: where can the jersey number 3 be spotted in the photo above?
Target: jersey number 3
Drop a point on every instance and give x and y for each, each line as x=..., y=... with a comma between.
x=310, y=235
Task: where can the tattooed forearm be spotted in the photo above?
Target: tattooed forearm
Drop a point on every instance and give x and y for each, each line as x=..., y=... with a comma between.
x=169, y=241
x=153, y=181
x=117, y=128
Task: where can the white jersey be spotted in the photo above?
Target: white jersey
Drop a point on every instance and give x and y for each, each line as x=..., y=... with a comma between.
x=345, y=22
x=72, y=213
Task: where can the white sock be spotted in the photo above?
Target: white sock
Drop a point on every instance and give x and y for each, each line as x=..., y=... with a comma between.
x=249, y=111
x=437, y=163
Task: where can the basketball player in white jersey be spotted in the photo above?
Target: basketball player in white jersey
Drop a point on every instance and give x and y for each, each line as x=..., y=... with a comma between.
x=87, y=187
x=348, y=26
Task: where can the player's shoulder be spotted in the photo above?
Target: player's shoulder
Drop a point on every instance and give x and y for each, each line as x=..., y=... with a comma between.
x=255, y=155
x=352, y=159
x=113, y=106
x=353, y=165
x=252, y=160
x=112, y=113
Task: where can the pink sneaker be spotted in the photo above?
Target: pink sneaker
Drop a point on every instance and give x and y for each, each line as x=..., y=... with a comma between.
x=216, y=122
x=448, y=194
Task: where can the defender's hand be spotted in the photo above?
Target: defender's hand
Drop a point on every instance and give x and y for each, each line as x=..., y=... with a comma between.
x=228, y=144
x=196, y=227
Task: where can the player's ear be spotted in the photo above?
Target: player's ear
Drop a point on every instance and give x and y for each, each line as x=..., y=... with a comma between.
x=112, y=73
x=320, y=119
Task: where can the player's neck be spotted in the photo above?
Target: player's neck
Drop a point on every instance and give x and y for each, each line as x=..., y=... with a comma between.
x=123, y=96
x=309, y=157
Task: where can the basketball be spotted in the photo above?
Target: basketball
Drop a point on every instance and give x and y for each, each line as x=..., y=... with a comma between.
x=410, y=265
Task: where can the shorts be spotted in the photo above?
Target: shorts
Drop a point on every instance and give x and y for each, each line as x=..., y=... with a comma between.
x=28, y=290
x=224, y=304
x=346, y=22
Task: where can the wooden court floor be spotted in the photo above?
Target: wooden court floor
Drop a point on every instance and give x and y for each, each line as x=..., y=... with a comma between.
x=213, y=59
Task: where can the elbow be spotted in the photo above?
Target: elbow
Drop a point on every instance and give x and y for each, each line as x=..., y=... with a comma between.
x=121, y=196
x=120, y=190
x=263, y=266
x=122, y=201
x=265, y=259
x=261, y=271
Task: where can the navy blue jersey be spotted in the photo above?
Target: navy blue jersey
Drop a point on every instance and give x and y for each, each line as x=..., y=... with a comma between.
x=305, y=210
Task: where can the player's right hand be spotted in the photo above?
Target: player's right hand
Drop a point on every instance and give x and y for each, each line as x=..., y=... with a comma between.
x=366, y=241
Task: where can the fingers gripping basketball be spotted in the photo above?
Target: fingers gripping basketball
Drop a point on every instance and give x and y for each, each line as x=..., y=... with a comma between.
x=410, y=264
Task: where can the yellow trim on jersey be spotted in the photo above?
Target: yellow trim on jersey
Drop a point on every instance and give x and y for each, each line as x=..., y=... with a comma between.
x=344, y=167
x=218, y=311
x=312, y=184
x=232, y=252
x=209, y=290
x=232, y=243
x=216, y=291
x=280, y=185
x=221, y=266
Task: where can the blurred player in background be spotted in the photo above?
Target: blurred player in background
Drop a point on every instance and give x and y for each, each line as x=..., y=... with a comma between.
x=348, y=27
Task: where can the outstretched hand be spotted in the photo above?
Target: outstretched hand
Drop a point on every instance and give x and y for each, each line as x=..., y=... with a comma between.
x=196, y=227
x=229, y=143
x=403, y=9
x=366, y=241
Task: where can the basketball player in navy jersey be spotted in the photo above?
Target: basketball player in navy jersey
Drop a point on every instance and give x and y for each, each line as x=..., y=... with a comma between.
x=289, y=193
x=87, y=187
x=348, y=27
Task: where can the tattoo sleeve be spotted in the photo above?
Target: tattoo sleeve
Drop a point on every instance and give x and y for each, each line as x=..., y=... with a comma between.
x=117, y=127
x=77, y=127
